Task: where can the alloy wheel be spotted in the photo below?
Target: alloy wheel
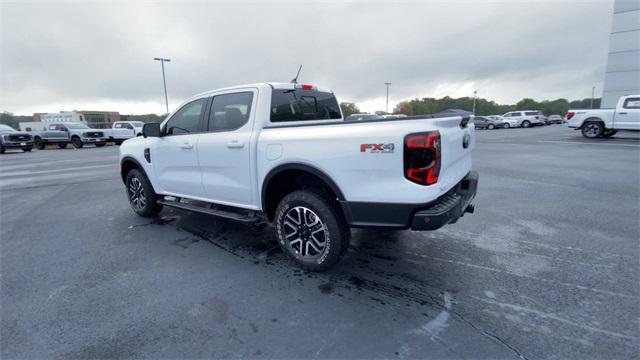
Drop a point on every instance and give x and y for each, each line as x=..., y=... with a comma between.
x=304, y=231
x=136, y=193
x=592, y=130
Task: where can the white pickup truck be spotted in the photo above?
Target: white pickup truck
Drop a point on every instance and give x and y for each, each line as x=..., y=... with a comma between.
x=123, y=130
x=595, y=123
x=283, y=152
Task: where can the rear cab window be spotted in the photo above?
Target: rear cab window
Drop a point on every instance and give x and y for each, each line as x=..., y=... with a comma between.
x=303, y=103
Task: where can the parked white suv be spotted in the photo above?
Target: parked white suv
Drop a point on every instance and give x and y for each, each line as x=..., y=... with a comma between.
x=283, y=153
x=526, y=118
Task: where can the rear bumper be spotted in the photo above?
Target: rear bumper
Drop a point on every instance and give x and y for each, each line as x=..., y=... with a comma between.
x=446, y=209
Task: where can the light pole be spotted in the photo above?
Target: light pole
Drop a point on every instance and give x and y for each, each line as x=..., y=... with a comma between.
x=475, y=94
x=166, y=99
x=387, y=106
x=593, y=92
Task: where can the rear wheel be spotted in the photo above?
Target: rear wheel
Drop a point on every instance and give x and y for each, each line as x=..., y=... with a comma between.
x=1, y=149
x=609, y=133
x=62, y=146
x=39, y=143
x=142, y=198
x=27, y=149
x=117, y=142
x=491, y=127
x=592, y=129
x=311, y=230
x=526, y=124
x=77, y=142
x=100, y=144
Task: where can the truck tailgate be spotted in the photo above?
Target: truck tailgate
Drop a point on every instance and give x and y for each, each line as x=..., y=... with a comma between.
x=366, y=159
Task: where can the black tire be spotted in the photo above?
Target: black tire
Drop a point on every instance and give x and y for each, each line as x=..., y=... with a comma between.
x=27, y=149
x=491, y=127
x=142, y=198
x=117, y=142
x=525, y=124
x=609, y=133
x=2, y=149
x=77, y=142
x=313, y=213
x=62, y=146
x=100, y=144
x=592, y=129
x=39, y=143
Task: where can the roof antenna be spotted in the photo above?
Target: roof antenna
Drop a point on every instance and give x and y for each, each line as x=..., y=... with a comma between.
x=295, y=79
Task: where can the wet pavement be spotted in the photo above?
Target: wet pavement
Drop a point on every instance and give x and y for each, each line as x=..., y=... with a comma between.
x=547, y=267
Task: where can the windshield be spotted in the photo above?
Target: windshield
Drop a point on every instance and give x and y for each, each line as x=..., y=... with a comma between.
x=6, y=128
x=77, y=126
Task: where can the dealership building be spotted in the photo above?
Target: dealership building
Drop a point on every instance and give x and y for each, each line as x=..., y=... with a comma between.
x=622, y=76
x=94, y=119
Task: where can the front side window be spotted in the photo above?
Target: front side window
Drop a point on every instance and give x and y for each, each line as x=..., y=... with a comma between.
x=632, y=103
x=230, y=111
x=187, y=120
x=301, y=105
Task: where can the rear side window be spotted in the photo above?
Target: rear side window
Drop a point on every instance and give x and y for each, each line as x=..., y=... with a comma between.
x=632, y=103
x=529, y=113
x=230, y=111
x=301, y=105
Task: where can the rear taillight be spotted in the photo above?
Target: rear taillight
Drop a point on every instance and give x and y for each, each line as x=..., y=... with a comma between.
x=570, y=115
x=422, y=157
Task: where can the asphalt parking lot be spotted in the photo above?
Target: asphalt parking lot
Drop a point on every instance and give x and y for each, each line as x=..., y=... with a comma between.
x=547, y=267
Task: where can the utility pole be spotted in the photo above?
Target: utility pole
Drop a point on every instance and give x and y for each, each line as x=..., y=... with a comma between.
x=593, y=92
x=164, y=81
x=475, y=94
x=387, y=107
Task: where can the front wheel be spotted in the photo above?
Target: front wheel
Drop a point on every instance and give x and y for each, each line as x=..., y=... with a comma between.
x=142, y=198
x=311, y=230
x=592, y=129
x=77, y=143
x=526, y=124
x=39, y=143
x=506, y=125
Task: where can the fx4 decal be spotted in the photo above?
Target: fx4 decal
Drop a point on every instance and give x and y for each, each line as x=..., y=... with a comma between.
x=377, y=148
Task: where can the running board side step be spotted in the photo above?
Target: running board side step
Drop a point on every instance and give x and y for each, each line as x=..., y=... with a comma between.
x=248, y=217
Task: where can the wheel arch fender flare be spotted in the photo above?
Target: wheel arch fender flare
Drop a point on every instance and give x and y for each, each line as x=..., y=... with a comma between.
x=592, y=119
x=128, y=163
x=302, y=167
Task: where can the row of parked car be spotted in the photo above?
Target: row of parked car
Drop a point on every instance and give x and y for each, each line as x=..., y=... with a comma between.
x=523, y=119
x=63, y=134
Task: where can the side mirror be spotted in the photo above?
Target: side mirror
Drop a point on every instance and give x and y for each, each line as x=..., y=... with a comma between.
x=151, y=130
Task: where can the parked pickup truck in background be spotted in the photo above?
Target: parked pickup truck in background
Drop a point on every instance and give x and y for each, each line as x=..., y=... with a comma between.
x=62, y=134
x=12, y=139
x=123, y=130
x=595, y=123
x=282, y=152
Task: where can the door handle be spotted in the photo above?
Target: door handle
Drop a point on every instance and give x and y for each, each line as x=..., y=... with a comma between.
x=186, y=146
x=235, y=144
x=622, y=113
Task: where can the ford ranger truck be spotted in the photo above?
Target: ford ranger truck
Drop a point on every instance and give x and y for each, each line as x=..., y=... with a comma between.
x=282, y=152
x=595, y=123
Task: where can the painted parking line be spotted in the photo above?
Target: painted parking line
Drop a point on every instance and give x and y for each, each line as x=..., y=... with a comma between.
x=587, y=143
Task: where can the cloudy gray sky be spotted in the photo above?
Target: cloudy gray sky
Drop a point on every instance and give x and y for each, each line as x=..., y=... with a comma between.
x=98, y=56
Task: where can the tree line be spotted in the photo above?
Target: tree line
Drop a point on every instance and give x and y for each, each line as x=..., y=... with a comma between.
x=485, y=107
